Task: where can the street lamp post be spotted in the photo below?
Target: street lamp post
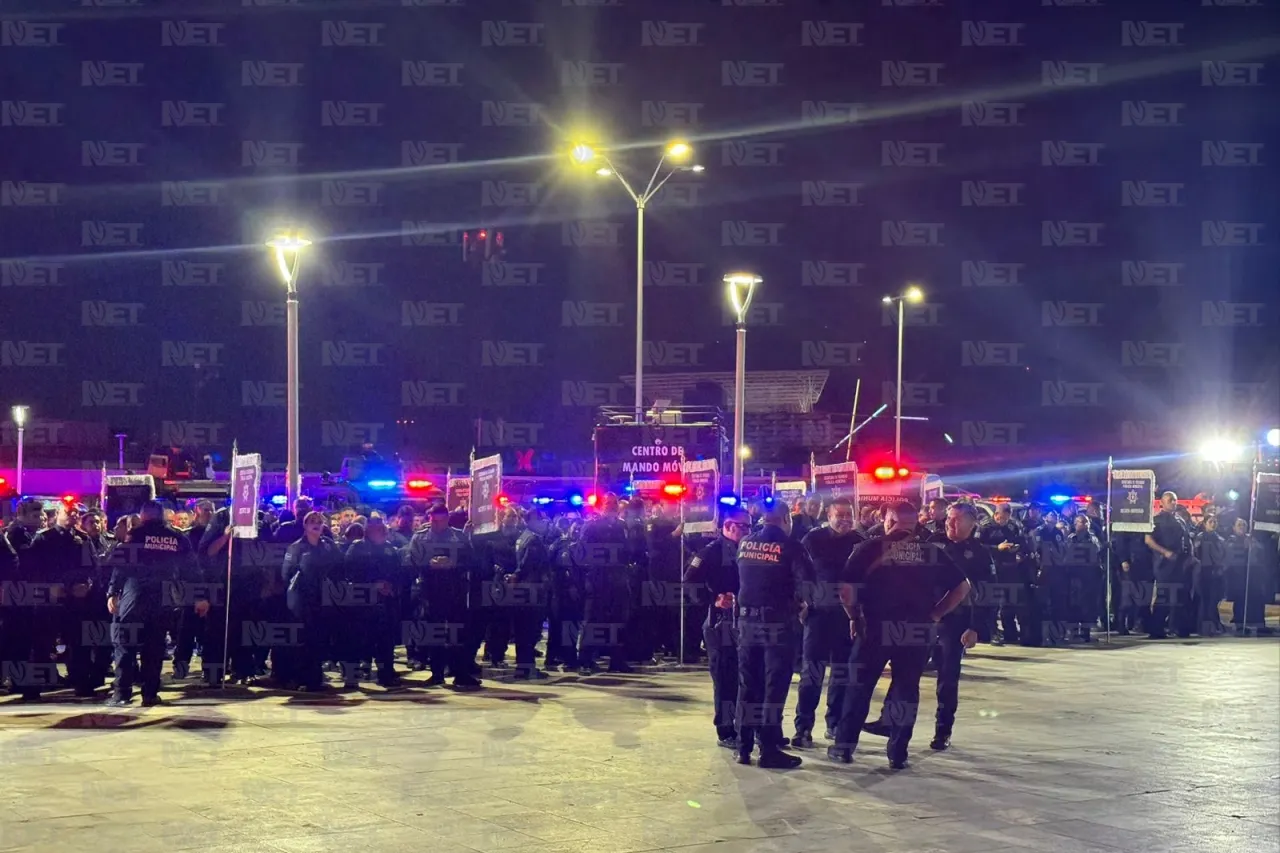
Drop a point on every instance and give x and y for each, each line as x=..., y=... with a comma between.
x=584, y=154
x=20, y=421
x=741, y=287
x=911, y=294
x=287, y=248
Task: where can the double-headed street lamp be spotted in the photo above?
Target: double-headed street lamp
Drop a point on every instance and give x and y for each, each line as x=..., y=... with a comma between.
x=287, y=248
x=585, y=154
x=20, y=421
x=741, y=287
x=911, y=294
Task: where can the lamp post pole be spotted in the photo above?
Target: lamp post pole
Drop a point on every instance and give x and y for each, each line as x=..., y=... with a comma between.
x=897, y=423
x=288, y=255
x=20, y=420
x=583, y=154
x=741, y=287
x=911, y=294
x=640, y=202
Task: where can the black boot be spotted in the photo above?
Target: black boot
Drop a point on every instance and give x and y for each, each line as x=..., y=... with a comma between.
x=776, y=759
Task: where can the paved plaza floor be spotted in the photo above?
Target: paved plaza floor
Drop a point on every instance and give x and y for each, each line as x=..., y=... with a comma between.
x=1137, y=747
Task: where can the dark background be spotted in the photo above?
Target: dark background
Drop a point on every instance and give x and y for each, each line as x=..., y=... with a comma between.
x=1226, y=376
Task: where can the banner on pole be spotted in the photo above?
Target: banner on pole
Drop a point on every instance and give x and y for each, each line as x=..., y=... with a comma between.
x=486, y=487
x=1266, y=502
x=457, y=494
x=124, y=494
x=836, y=481
x=789, y=491
x=701, y=495
x=1132, y=501
x=246, y=484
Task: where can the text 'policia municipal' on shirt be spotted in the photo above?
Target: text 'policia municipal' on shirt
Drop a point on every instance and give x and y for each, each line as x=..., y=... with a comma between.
x=765, y=552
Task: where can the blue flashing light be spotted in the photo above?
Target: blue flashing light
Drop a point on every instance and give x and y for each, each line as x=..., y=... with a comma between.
x=1059, y=499
x=279, y=500
x=542, y=500
x=728, y=500
x=1233, y=495
x=382, y=485
x=575, y=500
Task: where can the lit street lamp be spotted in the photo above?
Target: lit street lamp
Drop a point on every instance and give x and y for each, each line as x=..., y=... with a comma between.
x=741, y=287
x=583, y=154
x=911, y=294
x=287, y=248
x=20, y=421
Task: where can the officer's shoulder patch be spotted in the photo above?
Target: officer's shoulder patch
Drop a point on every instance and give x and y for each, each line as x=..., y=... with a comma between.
x=696, y=561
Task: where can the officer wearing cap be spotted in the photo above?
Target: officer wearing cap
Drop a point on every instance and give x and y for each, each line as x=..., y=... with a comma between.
x=889, y=590
x=715, y=568
x=772, y=568
x=147, y=573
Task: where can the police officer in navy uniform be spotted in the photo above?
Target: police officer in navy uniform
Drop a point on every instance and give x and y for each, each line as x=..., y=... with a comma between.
x=446, y=581
x=28, y=626
x=772, y=568
x=147, y=575
x=826, y=641
x=959, y=630
x=63, y=557
x=889, y=590
x=715, y=568
x=526, y=592
x=1170, y=542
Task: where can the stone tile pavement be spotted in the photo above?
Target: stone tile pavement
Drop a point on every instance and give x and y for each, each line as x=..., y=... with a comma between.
x=1137, y=747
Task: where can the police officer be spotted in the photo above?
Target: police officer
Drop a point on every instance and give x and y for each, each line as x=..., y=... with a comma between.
x=959, y=629
x=526, y=593
x=446, y=579
x=1003, y=537
x=607, y=580
x=147, y=577
x=28, y=609
x=936, y=525
x=566, y=601
x=889, y=591
x=63, y=557
x=1170, y=542
x=371, y=615
x=826, y=639
x=715, y=568
x=309, y=564
x=772, y=568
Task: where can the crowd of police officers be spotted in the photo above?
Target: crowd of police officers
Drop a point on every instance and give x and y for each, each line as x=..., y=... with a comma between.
x=836, y=588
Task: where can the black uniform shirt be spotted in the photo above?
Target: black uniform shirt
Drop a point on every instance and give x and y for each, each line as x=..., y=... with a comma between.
x=896, y=581
x=146, y=569
x=828, y=551
x=772, y=569
x=1170, y=533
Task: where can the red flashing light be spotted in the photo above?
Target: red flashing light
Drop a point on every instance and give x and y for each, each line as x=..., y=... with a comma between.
x=3, y=481
x=593, y=499
x=904, y=472
x=68, y=499
x=419, y=484
x=673, y=490
x=503, y=500
x=884, y=472
x=483, y=234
